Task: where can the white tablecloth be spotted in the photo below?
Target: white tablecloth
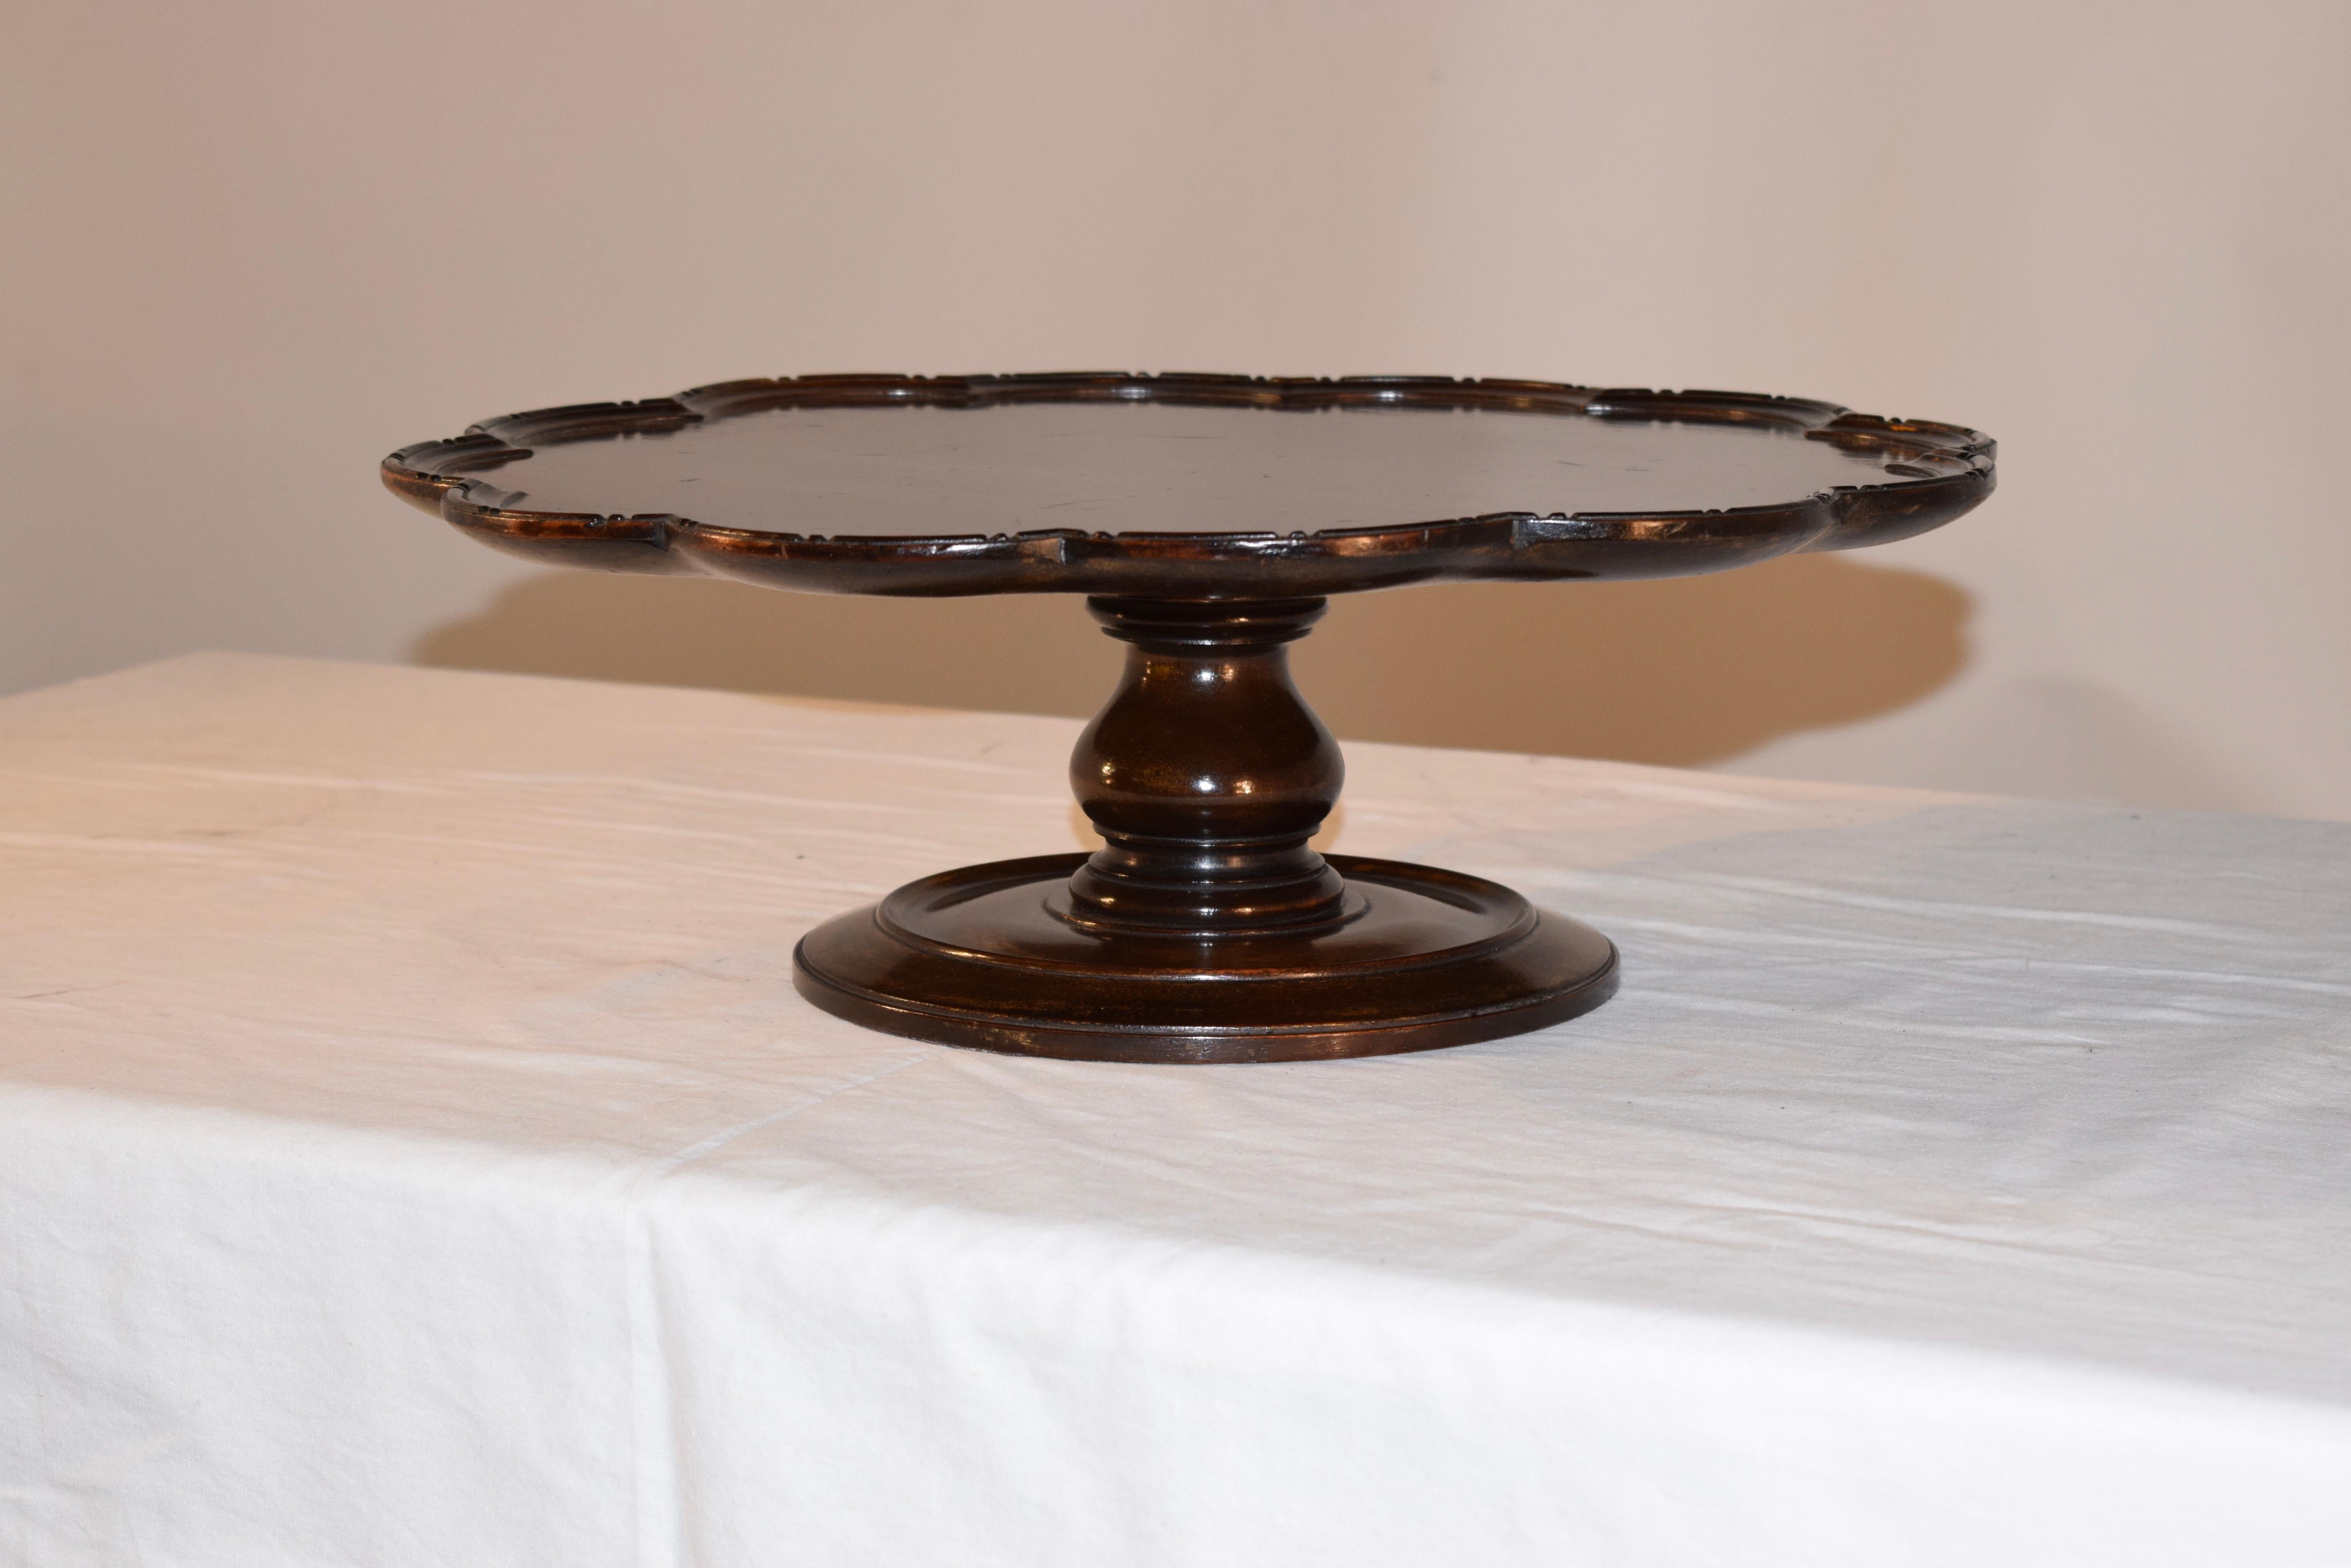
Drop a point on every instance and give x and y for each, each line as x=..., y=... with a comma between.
x=412, y=1152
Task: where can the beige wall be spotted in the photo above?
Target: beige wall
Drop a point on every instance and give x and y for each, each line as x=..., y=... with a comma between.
x=251, y=247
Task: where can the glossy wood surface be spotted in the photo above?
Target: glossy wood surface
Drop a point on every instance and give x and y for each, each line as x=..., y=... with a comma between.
x=1207, y=515
x=1190, y=486
x=1143, y=466
x=1205, y=929
x=973, y=958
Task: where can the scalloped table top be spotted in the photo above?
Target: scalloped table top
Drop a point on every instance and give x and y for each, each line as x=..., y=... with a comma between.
x=1186, y=484
x=1146, y=466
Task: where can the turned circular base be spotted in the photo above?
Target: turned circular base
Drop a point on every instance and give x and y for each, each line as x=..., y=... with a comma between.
x=987, y=957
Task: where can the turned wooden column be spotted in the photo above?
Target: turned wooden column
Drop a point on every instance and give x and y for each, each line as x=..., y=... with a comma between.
x=1205, y=775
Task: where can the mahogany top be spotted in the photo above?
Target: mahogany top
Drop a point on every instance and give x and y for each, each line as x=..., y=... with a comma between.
x=985, y=484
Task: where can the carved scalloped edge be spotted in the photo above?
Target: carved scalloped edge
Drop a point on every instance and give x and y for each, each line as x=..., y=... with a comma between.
x=1936, y=472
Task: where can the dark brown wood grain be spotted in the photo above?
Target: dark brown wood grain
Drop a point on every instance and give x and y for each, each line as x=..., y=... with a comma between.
x=1206, y=929
x=1921, y=475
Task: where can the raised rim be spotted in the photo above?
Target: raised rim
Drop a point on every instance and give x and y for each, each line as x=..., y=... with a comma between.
x=1936, y=472
x=858, y=966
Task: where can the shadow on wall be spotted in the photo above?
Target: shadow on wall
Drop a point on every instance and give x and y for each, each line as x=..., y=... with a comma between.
x=1682, y=671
